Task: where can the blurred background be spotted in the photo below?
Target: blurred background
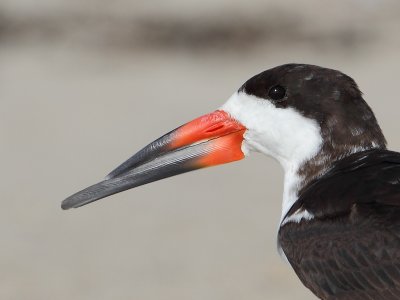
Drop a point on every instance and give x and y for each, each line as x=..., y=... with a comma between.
x=85, y=84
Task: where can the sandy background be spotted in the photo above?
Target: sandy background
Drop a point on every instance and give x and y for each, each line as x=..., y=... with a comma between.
x=85, y=84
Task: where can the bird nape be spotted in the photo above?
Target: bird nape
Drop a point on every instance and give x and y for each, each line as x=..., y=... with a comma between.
x=340, y=221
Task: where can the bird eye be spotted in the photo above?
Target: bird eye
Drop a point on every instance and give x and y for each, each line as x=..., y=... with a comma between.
x=277, y=92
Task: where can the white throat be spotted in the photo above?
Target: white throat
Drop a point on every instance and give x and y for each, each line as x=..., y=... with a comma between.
x=283, y=133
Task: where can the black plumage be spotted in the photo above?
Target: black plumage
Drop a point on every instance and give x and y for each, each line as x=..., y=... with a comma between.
x=351, y=248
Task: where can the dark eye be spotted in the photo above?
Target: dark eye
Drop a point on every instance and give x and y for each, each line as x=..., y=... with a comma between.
x=277, y=92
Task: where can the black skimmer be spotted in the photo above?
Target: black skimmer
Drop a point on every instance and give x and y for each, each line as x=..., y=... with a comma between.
x=340, y=222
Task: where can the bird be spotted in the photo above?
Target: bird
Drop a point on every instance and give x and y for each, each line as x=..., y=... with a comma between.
x=340, y=222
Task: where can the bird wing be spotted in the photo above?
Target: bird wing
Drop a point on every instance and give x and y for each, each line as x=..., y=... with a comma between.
x=370, y=177
x=351, y=249
x=347, y=260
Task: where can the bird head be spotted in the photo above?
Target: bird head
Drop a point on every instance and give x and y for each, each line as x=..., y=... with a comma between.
x=304, y=116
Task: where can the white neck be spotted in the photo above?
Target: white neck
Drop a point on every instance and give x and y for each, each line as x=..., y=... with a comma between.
x=285, y=134
x=291, y=185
